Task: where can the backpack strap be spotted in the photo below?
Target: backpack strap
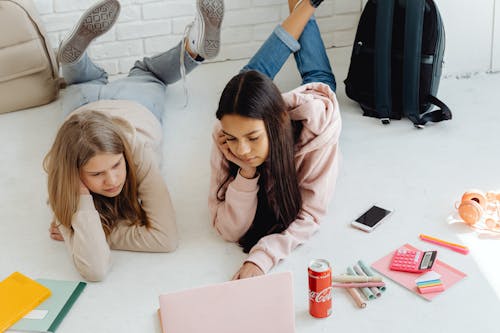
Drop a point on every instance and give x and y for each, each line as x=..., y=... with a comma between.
x=383, y=42
x=414, y=22
x=435, y=115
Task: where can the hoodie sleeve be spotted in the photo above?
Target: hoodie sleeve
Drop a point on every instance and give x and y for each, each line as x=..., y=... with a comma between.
x=86, y=243
x=161, y=236
x=233, y=216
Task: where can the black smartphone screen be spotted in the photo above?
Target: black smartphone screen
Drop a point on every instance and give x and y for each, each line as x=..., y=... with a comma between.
x=372, y=216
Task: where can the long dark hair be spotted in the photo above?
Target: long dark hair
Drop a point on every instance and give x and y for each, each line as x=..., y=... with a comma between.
x=254, y=95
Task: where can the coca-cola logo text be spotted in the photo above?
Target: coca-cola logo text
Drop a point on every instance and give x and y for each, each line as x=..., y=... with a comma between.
x=321, y=296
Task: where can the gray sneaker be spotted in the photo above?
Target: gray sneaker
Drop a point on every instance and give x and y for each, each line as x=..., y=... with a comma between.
x=204, y=33
x=94, y=22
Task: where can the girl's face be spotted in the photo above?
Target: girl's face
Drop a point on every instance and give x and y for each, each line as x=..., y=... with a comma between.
x=105, y=174
x=247, y=138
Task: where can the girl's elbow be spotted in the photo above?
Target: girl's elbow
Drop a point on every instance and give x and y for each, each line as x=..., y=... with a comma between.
x=226, y=235
x=166, y=238
x=94, y=274
x=93, y=269
x=167, y=242
x=170, y=245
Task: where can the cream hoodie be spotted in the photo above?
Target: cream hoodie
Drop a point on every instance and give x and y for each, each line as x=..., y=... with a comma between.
x=316, y=161
x=87, y=243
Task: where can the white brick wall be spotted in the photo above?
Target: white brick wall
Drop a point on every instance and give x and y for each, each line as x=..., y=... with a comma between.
x=147, y=27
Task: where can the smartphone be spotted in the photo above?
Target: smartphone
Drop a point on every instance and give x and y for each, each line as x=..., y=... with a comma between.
x=372, y=218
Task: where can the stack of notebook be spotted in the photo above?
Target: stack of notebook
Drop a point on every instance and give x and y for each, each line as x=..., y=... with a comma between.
x=28, y=305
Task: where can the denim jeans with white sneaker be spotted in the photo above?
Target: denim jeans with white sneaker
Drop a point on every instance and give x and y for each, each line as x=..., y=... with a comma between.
x=145, y=83
x=309, y=52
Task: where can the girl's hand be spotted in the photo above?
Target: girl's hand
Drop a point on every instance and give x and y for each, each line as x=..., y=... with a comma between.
x=55, y=234
x=246, y=171
x=83, y=189
x=249, y=269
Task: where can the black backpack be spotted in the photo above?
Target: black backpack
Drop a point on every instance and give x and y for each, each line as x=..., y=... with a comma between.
x=396, y=61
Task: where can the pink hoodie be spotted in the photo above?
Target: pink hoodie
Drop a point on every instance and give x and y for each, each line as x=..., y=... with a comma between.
x=316, y=160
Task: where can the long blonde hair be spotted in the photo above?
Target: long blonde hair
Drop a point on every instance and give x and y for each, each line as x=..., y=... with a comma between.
x=80, y=138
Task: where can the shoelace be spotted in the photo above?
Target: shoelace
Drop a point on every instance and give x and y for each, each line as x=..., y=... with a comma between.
x=182, y=65
x=298, y=3
x=314, y=3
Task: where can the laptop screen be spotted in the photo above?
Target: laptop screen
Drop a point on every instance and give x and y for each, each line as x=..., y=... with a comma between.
x=259, y=304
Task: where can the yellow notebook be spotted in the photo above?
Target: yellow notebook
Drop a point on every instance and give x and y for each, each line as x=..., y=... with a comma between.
x=19, y=295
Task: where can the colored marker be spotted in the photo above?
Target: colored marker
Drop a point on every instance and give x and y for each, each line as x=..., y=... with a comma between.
x=374, y=290
x=452, y=246
x=355, y=278
x=358, y=285
x=369, y=272
x=366, y=291
x=356, y=297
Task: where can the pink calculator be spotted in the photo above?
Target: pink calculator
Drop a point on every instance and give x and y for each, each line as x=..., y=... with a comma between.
x=414, y=261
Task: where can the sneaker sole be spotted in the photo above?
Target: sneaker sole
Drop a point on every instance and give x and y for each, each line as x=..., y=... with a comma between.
x=212, y=13
x=97, y=20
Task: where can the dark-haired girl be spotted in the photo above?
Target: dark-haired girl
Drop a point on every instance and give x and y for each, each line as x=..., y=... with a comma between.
x=275, y=157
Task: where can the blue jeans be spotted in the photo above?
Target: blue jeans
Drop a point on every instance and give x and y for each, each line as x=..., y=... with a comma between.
x=309, y=52
x=145, y=83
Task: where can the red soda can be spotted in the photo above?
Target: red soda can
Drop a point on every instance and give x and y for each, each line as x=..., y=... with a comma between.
x=320, y=288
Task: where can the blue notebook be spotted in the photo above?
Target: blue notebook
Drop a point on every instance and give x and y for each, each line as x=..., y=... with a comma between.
x=49, y=314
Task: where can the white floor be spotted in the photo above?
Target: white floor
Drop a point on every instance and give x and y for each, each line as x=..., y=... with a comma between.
x=419, y=173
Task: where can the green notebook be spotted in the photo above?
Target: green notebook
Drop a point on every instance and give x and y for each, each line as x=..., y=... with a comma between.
x=49, y=314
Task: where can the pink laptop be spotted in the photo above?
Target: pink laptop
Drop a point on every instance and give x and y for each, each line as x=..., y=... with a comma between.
x=260, y=304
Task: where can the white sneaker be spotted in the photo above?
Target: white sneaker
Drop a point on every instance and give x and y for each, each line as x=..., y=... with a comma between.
x=204, y=33
x=94, y=22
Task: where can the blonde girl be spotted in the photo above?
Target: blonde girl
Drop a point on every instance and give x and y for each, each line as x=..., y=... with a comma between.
x=104, y=181
x=106, y=191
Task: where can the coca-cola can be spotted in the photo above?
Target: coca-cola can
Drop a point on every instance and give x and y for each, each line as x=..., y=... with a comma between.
x=320, y=288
